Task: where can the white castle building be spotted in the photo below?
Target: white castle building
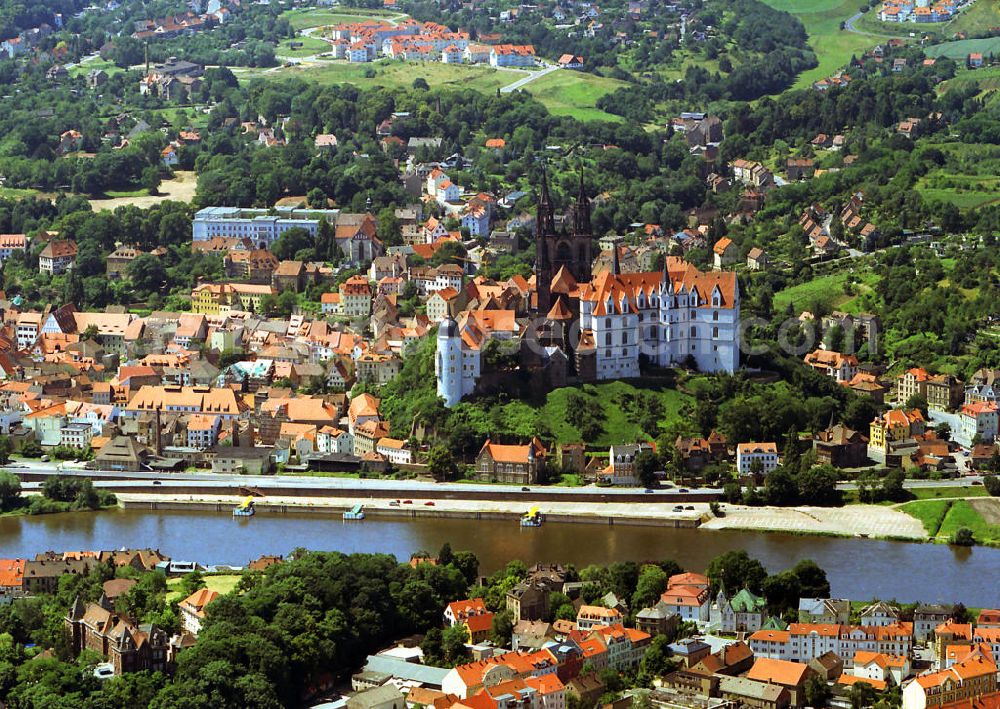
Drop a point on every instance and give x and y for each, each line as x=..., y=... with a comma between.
x=670, y=317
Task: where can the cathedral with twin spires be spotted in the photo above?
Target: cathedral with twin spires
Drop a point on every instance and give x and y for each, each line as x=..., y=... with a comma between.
x=597, y=326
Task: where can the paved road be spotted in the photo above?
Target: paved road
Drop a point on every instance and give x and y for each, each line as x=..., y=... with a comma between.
x=850, y=22
x=520, y=83
x=300, y=481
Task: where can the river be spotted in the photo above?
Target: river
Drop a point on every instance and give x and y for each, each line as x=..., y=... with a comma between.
x=857, y=568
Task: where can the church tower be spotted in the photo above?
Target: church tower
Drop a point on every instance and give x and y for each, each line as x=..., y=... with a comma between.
x=570, y=249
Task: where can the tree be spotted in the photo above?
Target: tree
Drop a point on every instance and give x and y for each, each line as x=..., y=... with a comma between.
x=812, y=579
x=782, y=592
x=646, y=465
x=10, y=490
x=917, y=401
x=502, y=628
x=147, y=273
x=453, y=641
x=992, y=484
x=818, y=486
x=817, y=691
x=862, y=695
x=652, y=582
x=963, y=537
x=736, y=570
x=441, y=464
x=291, y=242
x=317, y=198
x=780, y=488
x=6, y=448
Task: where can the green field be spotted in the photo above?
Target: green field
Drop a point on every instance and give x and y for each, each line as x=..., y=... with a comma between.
x=564, y=93
x=392, y=74
x=223, y=583
x=833, y=46
x=14, y=193
x=110, y=68
x=825, y=289
x=939, y=493
x=574, y=93
x=962, y=48
x=931, y=513
x=310, y=46
x=963, y=514
x=313, y=17
x=942, y=518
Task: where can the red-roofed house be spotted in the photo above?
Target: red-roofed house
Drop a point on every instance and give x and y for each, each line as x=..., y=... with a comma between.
x=513, y=464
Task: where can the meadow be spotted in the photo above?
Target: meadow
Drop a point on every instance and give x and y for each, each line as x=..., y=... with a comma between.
x=828, y=289
x=832, y=45
x=960, y=49
x=574, y=93
x=314, y=17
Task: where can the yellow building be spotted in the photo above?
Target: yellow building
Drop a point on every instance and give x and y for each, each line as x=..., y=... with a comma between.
x=895, y=425
x=220, y=298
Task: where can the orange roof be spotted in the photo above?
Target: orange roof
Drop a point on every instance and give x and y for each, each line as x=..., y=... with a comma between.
x=688, y=578
x=479, y=623
x=496, y=143
x=197, y=601
x=847, y=679
x=748, y=448
x=774, y=636
x=721, y=245
x=789, y=674
x=11, y=573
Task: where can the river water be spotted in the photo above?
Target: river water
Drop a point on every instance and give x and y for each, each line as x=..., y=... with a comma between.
x=858, y=568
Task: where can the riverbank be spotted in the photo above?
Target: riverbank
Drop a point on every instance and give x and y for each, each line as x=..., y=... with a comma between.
x=852, y=521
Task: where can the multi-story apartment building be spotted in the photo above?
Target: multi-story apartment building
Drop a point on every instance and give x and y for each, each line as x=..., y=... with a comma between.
x=262, y=226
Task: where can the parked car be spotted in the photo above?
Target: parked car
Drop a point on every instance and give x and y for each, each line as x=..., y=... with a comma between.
x=157, y=482
x=683, y=489
x=429, y=503
x=407, y=502
x=525, y=489
x=394, y=503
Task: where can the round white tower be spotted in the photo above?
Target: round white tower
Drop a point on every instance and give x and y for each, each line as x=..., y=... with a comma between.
x=448, y=364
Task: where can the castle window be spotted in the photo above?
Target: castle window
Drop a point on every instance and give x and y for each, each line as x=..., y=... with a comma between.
x=715, y=315
x=607, y=338
x=694, y=331
x=608, y=354
x=652, y=331
x=607, y=322
x=715, y=332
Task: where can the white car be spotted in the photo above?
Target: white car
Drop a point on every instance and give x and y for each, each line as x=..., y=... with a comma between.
x=104, y=671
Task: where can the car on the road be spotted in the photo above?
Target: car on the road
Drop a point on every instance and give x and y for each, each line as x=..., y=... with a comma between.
x=105, y=670
x=429, y=503
x=393, y=503
x=407, y=502
x=157, y=482
x=689, y=507
x=683, y=489
x=44, y=459
x=678, y=508
x=648, y=490
x=525, y=489
x=977, y=482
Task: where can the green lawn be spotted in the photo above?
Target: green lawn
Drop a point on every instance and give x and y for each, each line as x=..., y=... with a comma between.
x=826, y=289
x=393, y=74
x=110, y=68
x=961, y=49
x=937, y=493
x=833, y=46
x=574, y=93
x=931, y=513
x=963, y=514
x=310, y=46
x=15, y=193
x=223, y=583
x=314, y=17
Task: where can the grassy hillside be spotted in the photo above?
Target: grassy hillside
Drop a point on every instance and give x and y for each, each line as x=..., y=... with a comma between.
x=962, y=48
x=833, y=46
x=574, y=93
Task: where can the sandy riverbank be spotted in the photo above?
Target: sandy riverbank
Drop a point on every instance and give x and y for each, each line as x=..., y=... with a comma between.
x=854, y=520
